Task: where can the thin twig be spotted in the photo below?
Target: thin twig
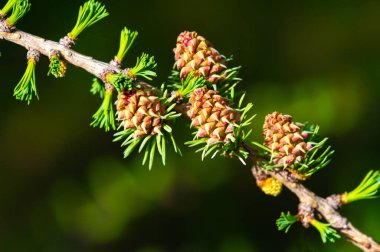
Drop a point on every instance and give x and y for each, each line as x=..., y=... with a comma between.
x=29, y=41
x=320, y=204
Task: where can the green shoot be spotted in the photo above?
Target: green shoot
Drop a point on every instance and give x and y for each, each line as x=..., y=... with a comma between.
x=120, y=81
x=90, y=13
x=7, y=7
x=327, y=233
x=144, y=67
x=104, y=117
x=97, y=88
x=367, y=189
x=57, y=67
x=27, y=85
x=286, y=221
x=189, y=84
x=127, y=38
x=19, y=10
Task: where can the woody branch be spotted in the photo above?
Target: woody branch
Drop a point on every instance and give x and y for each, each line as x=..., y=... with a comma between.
x=325, y=207
x=98, y=68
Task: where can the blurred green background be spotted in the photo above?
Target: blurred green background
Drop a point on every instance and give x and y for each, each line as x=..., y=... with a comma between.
x=64, y=185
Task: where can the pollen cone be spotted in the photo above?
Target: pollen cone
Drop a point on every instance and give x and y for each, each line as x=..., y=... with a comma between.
x=270, y=186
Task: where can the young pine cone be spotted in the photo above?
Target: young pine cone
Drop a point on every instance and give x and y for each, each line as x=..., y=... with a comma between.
x=285, y=138
x=195, y=53
x=210, y=113
x=140, y=110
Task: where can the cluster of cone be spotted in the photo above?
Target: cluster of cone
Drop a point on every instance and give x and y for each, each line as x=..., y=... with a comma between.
x=211, y=114
x=194, y=53
x=140, y=110
x=285, y=139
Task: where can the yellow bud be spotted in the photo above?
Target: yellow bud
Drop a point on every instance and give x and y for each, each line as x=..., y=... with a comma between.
x=270, y=186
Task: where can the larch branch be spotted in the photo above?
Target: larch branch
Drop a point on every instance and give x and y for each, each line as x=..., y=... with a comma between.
x=98, y=68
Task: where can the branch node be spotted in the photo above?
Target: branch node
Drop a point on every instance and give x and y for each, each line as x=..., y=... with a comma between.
x=339, y=222
x=305, y=213
x=116, y=63
x=5, y=27
x=127, y=72
x=334, y=201
x=33, y=54
x=105, y=72
x=108, y=86
x=67, y=42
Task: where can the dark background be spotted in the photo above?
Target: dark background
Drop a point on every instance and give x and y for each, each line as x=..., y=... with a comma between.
x=64, y=185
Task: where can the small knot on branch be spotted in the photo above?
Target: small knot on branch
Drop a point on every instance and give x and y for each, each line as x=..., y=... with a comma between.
x=127, y=72
x=33, y=55
x=116, y=63
x=67, y=42
x=305, y=213
x=106, y=71
x=335, y=201
x=108, y=86
x=5, y=27
x=54, y=53
x=176, y=97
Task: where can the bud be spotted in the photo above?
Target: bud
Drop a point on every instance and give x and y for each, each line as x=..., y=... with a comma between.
x=270, y=186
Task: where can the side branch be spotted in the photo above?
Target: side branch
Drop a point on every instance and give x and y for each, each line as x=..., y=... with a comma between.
x=336, y=220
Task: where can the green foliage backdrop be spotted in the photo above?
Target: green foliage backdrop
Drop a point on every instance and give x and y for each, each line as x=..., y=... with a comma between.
x=65, y=187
